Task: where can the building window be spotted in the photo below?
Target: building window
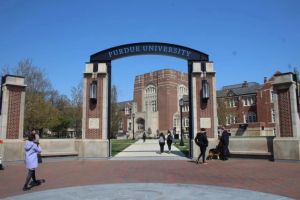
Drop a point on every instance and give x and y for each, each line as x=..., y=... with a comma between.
x=185, y=108
x=186, y=122
x=153, y=106
x=183, y=91
x=129, y=126
x=273, y=115
x=250, y=117
x=249, y=100
x=231, y=119
x=120, y=125
x=232, y=102
x=272, y=96
x=150, y=99
x=127, y=111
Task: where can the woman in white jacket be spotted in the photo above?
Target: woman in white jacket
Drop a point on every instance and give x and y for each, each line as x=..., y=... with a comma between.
x=31, y=161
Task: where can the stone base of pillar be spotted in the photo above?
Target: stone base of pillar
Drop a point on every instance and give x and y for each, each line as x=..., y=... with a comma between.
x=286, y=148
x=92, y=148
x=212, y=143
x=13, y=150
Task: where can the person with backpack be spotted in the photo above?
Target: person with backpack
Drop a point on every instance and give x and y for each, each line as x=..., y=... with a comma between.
x=31, y=162
x=161, y=142
x=202, y=142
x=169, y=140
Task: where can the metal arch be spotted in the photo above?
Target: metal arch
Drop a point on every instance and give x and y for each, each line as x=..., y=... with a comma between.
x=148, y=48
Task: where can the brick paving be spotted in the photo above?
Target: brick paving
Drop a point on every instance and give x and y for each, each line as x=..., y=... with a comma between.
x=279, y=178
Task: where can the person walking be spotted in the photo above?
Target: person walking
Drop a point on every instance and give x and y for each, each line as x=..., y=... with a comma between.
x=162, y=141
x=31, y=162
x=144, y=136
x=169, y=140
x=224, y=140
x=202, y=142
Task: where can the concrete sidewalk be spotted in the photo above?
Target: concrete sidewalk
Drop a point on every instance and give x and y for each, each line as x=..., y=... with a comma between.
x=149, y=149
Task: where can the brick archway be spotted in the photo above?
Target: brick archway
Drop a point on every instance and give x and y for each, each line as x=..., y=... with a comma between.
x=202, y=112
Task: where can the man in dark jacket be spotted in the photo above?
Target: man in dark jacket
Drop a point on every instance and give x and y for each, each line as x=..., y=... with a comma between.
x=202, y=142
x=224, y=140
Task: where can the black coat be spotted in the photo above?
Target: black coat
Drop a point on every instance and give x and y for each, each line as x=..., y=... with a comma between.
x=225, y=139
x=201, y=139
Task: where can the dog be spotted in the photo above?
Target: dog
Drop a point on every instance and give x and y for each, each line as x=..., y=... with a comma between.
x=213, y=154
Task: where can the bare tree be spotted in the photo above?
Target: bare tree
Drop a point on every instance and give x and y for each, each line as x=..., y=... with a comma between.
x=115, y=112
x=35, y=78
x=221, y=110
x=76, y=102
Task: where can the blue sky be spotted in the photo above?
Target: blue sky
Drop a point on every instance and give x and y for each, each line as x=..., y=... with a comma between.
x=246, y=39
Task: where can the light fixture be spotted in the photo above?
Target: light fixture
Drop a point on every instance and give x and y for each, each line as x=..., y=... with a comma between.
x=93, y=91
x=205, y=90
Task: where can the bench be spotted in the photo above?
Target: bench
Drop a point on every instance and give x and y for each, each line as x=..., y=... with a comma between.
x=59, y=154
x=255, y=153
x=251, y=154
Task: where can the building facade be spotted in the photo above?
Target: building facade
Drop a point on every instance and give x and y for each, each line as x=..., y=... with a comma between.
x=155, y=107
x=247, y=109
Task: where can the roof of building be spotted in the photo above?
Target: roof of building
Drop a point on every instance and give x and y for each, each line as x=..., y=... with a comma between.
x=161, y=70
x=240, y=85
x=122, y=104
x=239, y=89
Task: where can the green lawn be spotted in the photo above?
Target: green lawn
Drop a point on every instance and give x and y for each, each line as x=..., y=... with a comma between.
x=119, y=145
x=184, y=149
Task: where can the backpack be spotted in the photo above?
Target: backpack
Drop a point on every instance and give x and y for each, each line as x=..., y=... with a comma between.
x=169, y=138
x=161, y=139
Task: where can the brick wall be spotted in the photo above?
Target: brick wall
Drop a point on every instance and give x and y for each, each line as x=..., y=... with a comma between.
x=285, y=119
x=205, y=110
x=94, y=110
x=13, y=117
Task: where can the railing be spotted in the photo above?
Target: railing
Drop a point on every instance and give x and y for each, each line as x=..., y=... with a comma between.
x=61, y=135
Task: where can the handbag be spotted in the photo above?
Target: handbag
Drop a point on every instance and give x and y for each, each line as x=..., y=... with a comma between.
x=39, y=158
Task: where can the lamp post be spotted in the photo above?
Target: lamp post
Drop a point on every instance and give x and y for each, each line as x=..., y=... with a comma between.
x=181, y=136
x=133, y=116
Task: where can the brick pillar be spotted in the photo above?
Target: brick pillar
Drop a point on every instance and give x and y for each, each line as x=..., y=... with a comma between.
x=204, y=111
x=12, y=107
x=94, y=120
x=286, y=145
x=287, y=116
x=205, y=115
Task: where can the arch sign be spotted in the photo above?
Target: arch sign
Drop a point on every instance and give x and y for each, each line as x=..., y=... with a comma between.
x=149, y=48
x=97, y=88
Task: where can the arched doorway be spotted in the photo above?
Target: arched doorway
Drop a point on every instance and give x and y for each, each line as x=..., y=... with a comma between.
x=201, y=89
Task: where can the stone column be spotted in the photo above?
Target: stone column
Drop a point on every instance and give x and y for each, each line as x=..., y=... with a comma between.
x=287, y=141
x=204, y=110
x=95, y=111
x=12, y=117
x=12, y=107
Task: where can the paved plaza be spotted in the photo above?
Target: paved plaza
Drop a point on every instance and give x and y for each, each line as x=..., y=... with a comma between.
x=161, y=177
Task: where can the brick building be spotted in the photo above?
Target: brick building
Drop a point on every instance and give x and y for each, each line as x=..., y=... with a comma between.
x=247, y=109
x=156, y=103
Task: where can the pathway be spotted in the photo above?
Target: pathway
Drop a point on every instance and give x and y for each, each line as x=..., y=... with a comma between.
x=149, y=150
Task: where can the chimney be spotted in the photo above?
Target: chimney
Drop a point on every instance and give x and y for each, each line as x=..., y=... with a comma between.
x=265, y=79
x=245, y=84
